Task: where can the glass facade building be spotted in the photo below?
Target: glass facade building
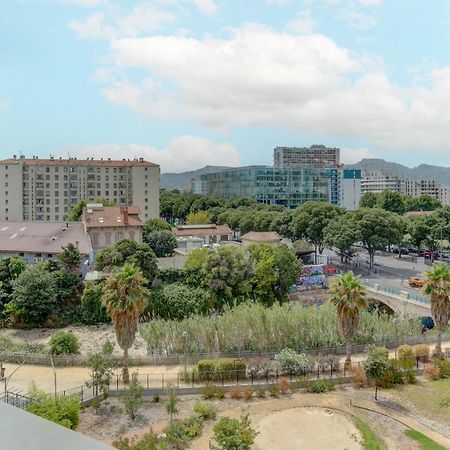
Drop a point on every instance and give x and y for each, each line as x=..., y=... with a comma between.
x=290, y=187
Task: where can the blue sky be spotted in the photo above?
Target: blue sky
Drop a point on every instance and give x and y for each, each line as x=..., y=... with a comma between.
x=186, y=83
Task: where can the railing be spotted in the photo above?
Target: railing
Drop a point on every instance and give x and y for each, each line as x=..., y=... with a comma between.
x=246, y=377
x=396, y=292
x=17, y=399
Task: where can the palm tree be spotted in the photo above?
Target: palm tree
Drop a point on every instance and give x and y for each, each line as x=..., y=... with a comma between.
x=349, y=298
x=438, y=287
x=125, y=298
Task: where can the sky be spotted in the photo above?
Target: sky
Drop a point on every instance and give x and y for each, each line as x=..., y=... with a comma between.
x=189, y=83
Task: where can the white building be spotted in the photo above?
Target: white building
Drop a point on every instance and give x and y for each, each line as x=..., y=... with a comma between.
x=47, y=189
x=416, y=188
x=350, y=189
x=378, y=181
x=318, y=156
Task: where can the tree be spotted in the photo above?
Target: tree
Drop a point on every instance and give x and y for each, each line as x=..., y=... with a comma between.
x=33, y=297
x=341, y=234
x=369, y=200
x=234, y=434
x=70, y=258
x=438, y=287
x=282, y=223
x=198, y=218
x=132, y=398
x=91, y=300
x=422, y=203
x=311, y=219
x=378, y=228
x=348, y=296
x=128, y=251
x=154, y=225
x=275, y=270
x=10, y=269
x=125, y=299
x=391, y=201
x=376, y=365
x=418, y=229
x=77, y=211
x=161, y=242
x=172, y=401
x=101, y=373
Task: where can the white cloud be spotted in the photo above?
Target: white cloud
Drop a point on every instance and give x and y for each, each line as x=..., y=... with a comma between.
x=144, y=18
x=207, y=7
x=183, y=153
x=260, y=77
x=302, y=24
x=354, y=155
x=89, y=3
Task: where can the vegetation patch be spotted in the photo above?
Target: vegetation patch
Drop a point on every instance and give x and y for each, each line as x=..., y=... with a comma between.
x=425, y=442
x=370, y=440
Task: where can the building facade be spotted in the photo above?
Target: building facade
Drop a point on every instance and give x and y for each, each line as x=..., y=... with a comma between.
x=271, y=185
x=316, y=156
x=108, y=224
x=350, y=189
x=198, y=236
x=444, y=195
x=47, y=189
x=416, y=188
x=378, y=181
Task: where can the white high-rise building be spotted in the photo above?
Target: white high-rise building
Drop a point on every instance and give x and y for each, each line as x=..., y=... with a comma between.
x=47, y=189
x=378, y=181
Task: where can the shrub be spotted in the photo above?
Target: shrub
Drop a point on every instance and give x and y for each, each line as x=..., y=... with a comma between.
x=63, y=410
x=422, y=351
x=430, y=372
x=284, y=385
x=393, y=374
x=193, y=426
x=234, y=434
x=236, y=392
x=261, y=393
x=406, y=356
x=156, y=398
x=359, y=378
x=132, y=398
x=258, y=367
x=210, y=391
x=444, y=367
x=225, y=368
x=293, y=363
x=247, y=393
x=321, y=386
x=328, y=362
x=64, y=343
x=274, y=391
x=93, y=310
x=205, y=411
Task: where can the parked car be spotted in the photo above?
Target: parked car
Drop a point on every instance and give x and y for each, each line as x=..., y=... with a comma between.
x=403, y=251
x=416, y=282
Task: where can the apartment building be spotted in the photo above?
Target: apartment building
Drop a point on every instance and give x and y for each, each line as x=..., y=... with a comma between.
x=47, y=189
x=416, y=188
x=379, y=181
x=444, y=195
x=316, y=156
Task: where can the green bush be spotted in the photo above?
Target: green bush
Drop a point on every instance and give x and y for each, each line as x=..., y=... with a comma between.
x=422, y=351
x=217, y=369
x=406, y=356
x=444, y=367
x=64, y=343
x=210, y=391
x=293, y=363
x=321, y=386
x=234, y=434
x=93, y=310
x=205, y=411
x=63, y=410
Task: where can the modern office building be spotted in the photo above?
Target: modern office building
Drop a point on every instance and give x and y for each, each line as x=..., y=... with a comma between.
x=316, y=156
x=47, y=189
x=378, y=181
x=271, y=185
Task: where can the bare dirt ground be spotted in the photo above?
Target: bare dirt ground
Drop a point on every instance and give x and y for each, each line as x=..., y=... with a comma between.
x=309, y=428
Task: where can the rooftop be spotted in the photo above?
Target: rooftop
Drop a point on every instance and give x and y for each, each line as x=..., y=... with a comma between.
x=261, y=236
x=96, y=216
x=201, y=230
x=42, y=237
x=74, y=162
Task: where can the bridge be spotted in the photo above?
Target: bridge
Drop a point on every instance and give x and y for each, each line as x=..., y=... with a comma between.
x=403, y=302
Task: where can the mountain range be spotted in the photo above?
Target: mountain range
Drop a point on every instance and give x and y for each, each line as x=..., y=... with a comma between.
x=422, y=172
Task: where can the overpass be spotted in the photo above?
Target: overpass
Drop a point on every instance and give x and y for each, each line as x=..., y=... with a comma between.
x=403, y=302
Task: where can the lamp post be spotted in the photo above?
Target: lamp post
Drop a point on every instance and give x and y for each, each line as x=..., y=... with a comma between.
x=185, y=336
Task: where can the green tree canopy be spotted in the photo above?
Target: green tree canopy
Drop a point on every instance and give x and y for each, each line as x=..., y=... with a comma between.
x=341, y=234
x=311, y=219
x=161, y=242
x=34, y=296
x=10, y=269
x=198, y=218
x=391, y=201
x=70, y=258
x=369, y=200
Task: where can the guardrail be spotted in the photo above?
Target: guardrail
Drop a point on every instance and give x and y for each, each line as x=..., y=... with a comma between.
x=396, y=292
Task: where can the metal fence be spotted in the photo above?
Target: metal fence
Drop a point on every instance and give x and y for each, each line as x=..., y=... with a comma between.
x=17, y=399
x=396, y=292
x=244, y=377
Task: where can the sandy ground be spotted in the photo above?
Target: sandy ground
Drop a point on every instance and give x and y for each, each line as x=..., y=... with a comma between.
x=288, y=429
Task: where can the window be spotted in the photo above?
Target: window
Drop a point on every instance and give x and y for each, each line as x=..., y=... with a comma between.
x=131, y=234
x=146, y=200
x=47, y=169
x=108, y=238
x=95, y=238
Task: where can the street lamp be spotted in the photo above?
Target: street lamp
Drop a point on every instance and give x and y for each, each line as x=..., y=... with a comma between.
x=185, y=335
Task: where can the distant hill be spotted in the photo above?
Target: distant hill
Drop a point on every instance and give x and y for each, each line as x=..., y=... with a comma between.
x=182, y=180
x=422, y=172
